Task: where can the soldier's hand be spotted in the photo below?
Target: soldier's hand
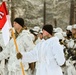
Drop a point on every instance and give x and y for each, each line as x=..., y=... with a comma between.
x=19, y=55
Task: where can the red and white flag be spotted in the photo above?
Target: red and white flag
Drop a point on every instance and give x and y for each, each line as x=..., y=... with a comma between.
x=5, y=23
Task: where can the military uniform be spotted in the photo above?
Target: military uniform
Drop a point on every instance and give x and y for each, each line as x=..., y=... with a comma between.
x=2, y=62
x=24, y=44
x=48, y=61
x=70, y=54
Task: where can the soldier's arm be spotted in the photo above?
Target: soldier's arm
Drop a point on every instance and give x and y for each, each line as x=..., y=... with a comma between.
x=4, y=54
x=6, y=51
x=58, y=54
x=31, y=56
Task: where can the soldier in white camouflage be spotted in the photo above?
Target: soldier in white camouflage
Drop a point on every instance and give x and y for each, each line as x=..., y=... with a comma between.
x=24, y=43
x=70, y=52
x=3, y=65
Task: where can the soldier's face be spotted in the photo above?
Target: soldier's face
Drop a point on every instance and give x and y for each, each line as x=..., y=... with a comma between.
x=16, y=25
x=45, y=33
x=67, y=31
x=73, y=31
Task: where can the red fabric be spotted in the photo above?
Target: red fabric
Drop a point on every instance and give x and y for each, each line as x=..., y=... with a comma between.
x=3, y=13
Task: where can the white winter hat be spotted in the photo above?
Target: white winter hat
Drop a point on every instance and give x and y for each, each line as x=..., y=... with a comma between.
x=59, y=35
x=69, y=27
x=74, y=26
x=36, y=28
x=36, y=33
x=58, y=29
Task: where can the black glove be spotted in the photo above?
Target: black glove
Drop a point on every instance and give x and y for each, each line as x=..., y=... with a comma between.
x=19, y=56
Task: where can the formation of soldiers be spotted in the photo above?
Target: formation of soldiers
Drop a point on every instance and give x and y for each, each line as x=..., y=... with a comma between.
x=27, y=39
x=68, y=41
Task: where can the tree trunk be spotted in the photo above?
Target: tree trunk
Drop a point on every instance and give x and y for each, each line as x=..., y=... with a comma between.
x=72, y=12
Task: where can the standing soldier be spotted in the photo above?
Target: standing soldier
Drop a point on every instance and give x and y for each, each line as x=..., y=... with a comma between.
x=69, y=32
x=71, y=53
x=48, y=54
x=24, y=44
x=35, y=31
x=67, y=39
x=3, y=66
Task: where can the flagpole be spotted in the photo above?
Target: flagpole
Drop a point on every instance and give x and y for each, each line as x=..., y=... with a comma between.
x=13, y=36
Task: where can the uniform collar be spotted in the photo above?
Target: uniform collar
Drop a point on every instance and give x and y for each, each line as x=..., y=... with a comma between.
x=17, y=34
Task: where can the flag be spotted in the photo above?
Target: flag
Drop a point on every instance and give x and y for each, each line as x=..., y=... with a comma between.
x=5, y=23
